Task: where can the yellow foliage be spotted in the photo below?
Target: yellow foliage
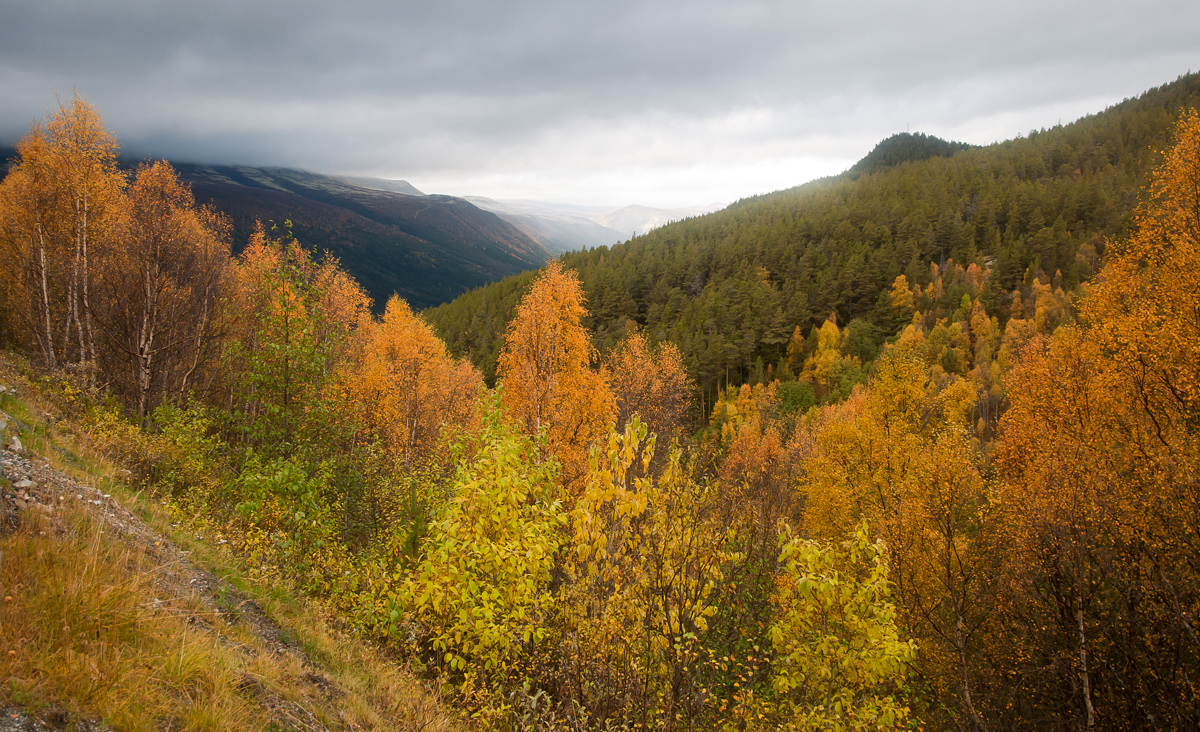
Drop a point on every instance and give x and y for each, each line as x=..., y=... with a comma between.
x=902, y=297
x=747, y=404
x=841, y=663
x=899, y=456
x=481, y=593
x=644, y=569
x=826, y=365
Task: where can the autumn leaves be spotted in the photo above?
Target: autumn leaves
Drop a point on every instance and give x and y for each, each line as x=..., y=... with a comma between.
x=120, y=279
x=999, y=526
x=550, y=384
x=546, y=370
x=1099, y=468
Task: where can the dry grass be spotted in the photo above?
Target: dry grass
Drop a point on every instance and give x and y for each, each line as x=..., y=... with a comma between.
x=87, y=633
x=84, y=638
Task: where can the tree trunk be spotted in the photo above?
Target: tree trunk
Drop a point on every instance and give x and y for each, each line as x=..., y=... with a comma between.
x=87, y=311
x=48, y=351
x=144, y=349
x=961, y=645
x=1084, y=677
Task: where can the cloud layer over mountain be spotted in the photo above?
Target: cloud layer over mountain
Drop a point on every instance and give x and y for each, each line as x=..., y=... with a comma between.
x=663, y=103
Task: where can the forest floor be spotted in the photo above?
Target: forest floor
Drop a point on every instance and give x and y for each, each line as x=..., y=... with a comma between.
x=117, y=615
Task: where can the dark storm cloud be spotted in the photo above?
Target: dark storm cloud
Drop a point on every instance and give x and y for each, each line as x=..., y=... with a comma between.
x=457, y=89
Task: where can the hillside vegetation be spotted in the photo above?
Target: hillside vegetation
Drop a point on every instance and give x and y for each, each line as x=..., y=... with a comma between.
x=123, y=613
x=730, y=288
x=945, y=473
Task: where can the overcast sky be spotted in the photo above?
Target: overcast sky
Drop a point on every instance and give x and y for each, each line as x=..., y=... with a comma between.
x=669, y=103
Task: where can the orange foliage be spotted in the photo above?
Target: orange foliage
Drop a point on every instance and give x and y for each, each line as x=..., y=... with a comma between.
x=757, y=480
x=161, y=290
x=651, y=382
x=406, y=391
x=59, y=209
x=545, y=368
x=1100, y=458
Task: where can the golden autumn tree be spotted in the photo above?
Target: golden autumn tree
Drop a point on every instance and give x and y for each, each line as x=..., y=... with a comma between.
x=902, y=298
x=547, y=374
x=406, y=399
x=754, y=471
x=405, y=389
x=30, y=237
x=1055, y=510
x=86, y=167
x=60, y=209
x=652, y=382
x=159, y=293
x=899, y=456
x=827, y=367
x=1099, y=462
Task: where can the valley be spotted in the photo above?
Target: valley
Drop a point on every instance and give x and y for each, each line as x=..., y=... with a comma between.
x=911, y=446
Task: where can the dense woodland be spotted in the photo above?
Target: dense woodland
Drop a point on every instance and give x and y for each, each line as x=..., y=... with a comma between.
x=730, y=288
x=947, y=473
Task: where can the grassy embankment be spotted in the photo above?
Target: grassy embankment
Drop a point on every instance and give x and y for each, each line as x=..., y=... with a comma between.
x=156, y=627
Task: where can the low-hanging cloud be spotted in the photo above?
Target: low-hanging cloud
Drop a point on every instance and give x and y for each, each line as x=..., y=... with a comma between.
x=661, y=102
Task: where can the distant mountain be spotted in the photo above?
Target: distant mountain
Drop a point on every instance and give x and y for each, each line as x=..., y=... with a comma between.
x=387, y=234
x=558, y=228
x=637, y=220
x=564, y=227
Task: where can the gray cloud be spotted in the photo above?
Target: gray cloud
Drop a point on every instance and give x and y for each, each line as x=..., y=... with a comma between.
x=566, y=99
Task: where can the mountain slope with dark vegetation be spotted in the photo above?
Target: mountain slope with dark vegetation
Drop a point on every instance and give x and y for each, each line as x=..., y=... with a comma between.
x=428, y=249
x=729, y=288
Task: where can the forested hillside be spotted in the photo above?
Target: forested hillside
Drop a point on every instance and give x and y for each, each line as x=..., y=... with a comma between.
x=427, y=249
x=955, y=489
x=729, y=288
